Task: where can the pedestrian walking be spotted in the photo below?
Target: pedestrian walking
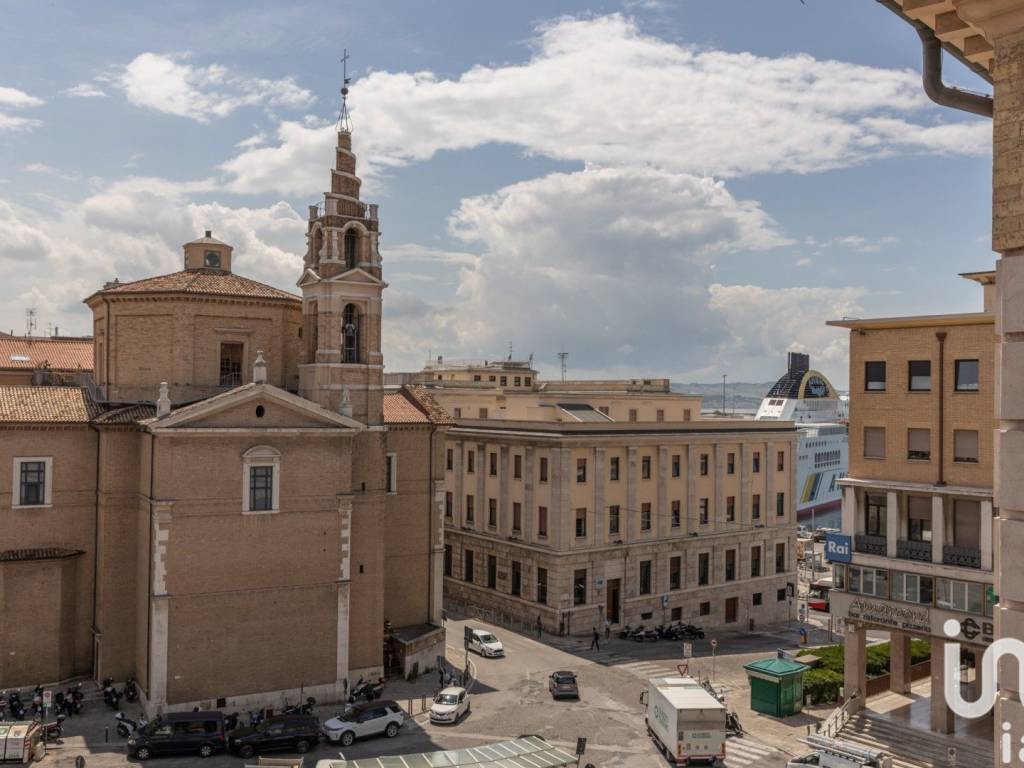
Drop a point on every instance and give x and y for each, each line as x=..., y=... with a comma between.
x=595, y=643
x=607, y=630
x=540, y=626
x=440, y=676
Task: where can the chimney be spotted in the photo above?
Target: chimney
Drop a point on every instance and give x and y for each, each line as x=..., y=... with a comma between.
x=209, y=233
x=259, y=369
x=163, y=403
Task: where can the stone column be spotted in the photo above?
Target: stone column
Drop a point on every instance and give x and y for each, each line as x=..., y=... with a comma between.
x=938, y=528
x=849, y=510
x=942, y=719
x=899, y=662
x=344, y=588
x=160, y=522
x=985, y=538
x=855, y=669
x=892, y=523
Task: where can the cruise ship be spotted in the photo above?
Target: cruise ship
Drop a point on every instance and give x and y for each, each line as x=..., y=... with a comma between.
x=808, y=398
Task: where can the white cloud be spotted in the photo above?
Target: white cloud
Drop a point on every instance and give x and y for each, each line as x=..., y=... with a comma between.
x=84, y=91
x=598, y=90
x=48, y=170
x=414, y=253
x=170, y=84
x=12, y=98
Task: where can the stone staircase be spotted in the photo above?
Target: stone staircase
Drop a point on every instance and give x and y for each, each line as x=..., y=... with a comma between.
x=910, y=747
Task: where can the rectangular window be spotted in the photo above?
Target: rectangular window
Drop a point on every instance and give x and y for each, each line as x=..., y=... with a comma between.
x=755, y=506
x=492, y=468
x=492, y=513
x=477, y=377
x=645, y=516
x=965, y=446
x=730, y=565
x=447, y=559
x=632, y=414
x=919, y=518
x=603, y=409
x=261, y=489
x=730, y=464
x=457, y=413
x=704, y=464
x=528, y=381
x=581, y=523
x=703, y=511
x=875, y=514
x=482, y=413
x=542, y=521
x=613, y=519
x=868, y=581
x=470, y=461
x=231, y=364
x=780, y=594
x=543, y=469
x=581, y=470
x=919, y=444
x=687, y=415
x=504, y=381
x=645, y=577
x=730, y=509
x=390, y=473
x=912, y=588
x=449, y=459
x=32, y=483
x=492, y=572
x=874, y=442
x=780, y=504
x=517, y=517
x=579, y=587
x=874, y=377
x=676, y=464
x=613, y=468
x=919, y=375
x=755, y=562
x=756, y=599
x=677, y=614
x=705, y=609
x=755, y=462
x=659, y=415
x=967, y=523
x=703, y=569
x=517, y=466
x=780, y=461
x=645, y=468
x=469, y=508
x=675, y=572
x=780, y=557
x=677, y=513
x=542, y=586
x=958, y=595
x=517, y=579
x=516, y=381
x=966, y=375
x=449, y=503
x=467, y=566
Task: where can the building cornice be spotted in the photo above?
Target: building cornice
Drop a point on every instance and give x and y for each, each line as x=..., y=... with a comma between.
x=927, y=488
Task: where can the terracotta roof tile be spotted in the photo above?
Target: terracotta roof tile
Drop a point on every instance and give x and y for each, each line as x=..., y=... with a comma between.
x=58, y=405
x=426, y=401
x=127, y=414
x=398, y=409
x=56, y=354
x=200, y=281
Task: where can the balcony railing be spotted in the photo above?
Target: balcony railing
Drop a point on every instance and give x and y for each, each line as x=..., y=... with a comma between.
x=869, y=545
x=964, y=557
x=914, y=550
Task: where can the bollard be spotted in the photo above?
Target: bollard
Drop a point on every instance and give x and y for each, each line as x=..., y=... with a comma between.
x=410, y=707
x=423, y=703
x=106, y=734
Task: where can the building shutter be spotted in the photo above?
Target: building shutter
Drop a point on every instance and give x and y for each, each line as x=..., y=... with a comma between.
x=965, y=445
x=919, y=443
x=967, y=523
x=874, y=442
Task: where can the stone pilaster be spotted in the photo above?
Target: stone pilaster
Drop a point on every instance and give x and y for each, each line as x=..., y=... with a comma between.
x=663, y=519
x=160, y=531
x=690, y=512
x=600, y=533
x=631, y=515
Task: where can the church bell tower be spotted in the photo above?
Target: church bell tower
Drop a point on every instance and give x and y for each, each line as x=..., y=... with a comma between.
x=343, y=368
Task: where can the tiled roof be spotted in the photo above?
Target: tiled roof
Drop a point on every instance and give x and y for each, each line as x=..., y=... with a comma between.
x=39, y=553
x=413, y=405
x=56, y=354
x=58, y=405
x=211, y=282
x=127, y=414
x=426, y=401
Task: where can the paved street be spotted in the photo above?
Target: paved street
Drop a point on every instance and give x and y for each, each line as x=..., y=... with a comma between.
x=510, y=698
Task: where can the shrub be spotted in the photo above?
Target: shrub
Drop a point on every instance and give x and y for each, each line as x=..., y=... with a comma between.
x=823, y=685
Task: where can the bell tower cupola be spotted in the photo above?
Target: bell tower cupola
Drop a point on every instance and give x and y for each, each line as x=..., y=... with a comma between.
x=208, y=252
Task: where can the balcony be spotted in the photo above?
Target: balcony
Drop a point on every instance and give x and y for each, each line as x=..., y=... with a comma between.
x=962, y=557
x=914, y=550
x=869, y=545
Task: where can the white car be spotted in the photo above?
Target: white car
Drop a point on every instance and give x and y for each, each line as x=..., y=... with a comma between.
x=484, y=643
x=360, y=720
x=450, y=705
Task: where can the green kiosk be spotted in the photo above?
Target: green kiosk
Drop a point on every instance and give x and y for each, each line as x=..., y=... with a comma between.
x=776, y=686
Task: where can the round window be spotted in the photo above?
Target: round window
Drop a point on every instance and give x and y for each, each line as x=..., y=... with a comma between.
x=259, y=411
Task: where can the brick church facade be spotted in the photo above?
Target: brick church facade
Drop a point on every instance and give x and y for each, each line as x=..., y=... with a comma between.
x=230, y=507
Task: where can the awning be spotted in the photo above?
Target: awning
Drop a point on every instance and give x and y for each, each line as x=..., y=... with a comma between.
x=524, y=752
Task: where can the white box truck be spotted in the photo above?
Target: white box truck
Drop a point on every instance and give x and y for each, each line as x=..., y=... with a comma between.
x=686, y=722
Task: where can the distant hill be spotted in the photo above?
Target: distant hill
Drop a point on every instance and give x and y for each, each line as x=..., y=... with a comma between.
x=739, y=396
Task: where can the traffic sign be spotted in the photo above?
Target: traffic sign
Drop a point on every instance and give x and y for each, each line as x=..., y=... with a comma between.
x=714, y=643
x=581, y=745
x=687, y=650
x=47, y=698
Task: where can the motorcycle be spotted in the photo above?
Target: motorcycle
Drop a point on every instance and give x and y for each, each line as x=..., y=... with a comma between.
x=111, y=696
x=52, y=731
x=131, y=690
x=297, y=709
x=638, y=633
x=126, y=726
x=649, y=636
x=255, y=718
x=625, y=632
x=15, y=708
x=231, y=721
x=37, y=700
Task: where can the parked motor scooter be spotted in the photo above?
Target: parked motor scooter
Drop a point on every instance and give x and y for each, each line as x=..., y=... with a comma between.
x=637, y=634
x=16, y=710
x=357, y=691
x=231, y=721
x=375, y=690
x=625, y=632
x=131, y=689
x=111, y=696
x=126, y=726
x=255, y=718
x=52, y=731
x=37, y=700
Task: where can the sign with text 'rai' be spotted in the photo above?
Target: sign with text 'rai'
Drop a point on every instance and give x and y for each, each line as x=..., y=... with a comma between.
x=838, y=548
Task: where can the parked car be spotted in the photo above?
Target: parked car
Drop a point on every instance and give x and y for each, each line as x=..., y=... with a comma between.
x=450, y=705
x=563, y=685
x=293, y=733
x=358, y=721
x=486, y=644
x=191, y=733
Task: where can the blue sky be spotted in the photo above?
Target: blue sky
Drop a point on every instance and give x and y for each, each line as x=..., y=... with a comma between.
x=663, y=188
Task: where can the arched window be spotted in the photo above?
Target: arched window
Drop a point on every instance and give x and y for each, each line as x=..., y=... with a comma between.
x=351, y=249
x=350, y=334
x=316, y=245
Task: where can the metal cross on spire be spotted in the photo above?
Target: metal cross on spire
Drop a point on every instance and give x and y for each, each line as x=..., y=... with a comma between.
x=344, y=120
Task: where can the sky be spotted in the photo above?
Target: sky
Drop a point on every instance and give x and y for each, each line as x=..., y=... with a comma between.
x=678, y=188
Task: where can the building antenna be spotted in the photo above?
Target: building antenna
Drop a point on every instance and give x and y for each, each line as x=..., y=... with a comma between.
x=723, y=394
x=510, y=351
x=562, y=357
x=30, y=322
x=344, y=119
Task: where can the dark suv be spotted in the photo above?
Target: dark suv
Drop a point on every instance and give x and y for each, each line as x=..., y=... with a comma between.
x=293, y=733
x=191, y=733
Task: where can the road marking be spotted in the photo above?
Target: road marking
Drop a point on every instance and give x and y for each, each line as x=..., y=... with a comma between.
x=739, y=753
x=572, y=744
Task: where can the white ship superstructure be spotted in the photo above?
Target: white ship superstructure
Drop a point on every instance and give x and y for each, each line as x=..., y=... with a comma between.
x=807, y=397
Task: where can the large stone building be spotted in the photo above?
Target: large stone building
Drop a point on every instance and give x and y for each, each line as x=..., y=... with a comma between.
x=232, y=508
x=577, y=501
x=917, y=504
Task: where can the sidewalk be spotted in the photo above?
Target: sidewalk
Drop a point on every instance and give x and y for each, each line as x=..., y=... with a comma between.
x=416, y=696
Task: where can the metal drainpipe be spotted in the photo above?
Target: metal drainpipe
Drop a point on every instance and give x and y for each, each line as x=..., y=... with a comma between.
x=939, y=92
x=941, y=336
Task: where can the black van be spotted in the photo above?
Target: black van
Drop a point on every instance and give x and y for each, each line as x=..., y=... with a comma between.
x=292, y=733
x=181, y=733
